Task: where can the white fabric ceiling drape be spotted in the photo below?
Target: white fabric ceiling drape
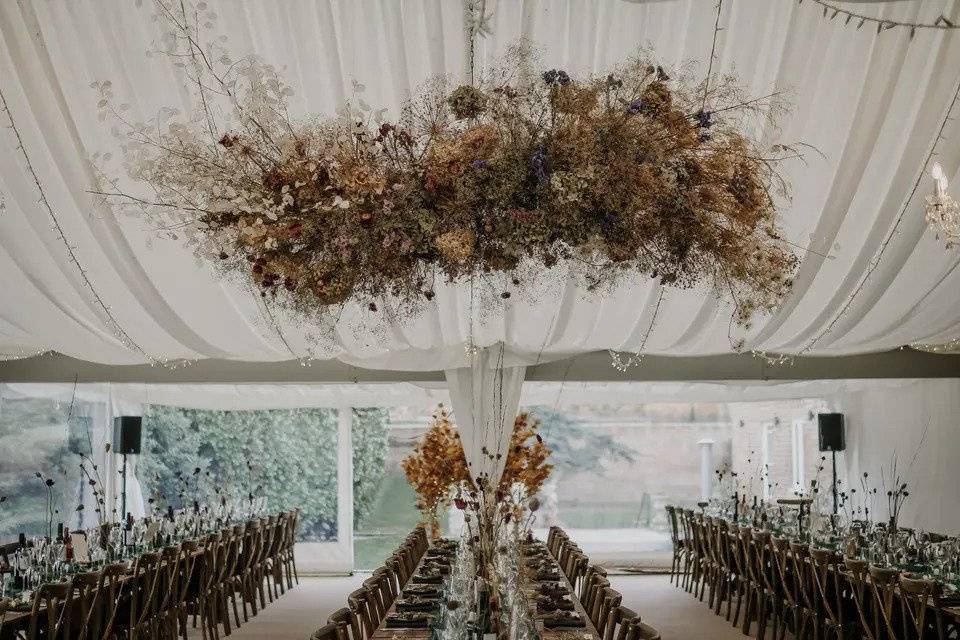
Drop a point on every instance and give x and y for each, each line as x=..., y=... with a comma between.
x=79, y=280
x=485, y=398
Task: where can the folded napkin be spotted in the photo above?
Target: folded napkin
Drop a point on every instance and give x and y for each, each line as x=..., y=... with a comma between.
x=552, y=622
x=407, y=621
x=554, y=605
x=416, y=605
x=419, y=579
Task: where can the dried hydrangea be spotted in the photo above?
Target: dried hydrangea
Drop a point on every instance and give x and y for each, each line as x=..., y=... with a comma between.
x=466, y=101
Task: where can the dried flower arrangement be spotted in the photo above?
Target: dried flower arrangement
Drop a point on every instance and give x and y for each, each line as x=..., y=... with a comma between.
x=90, y=471
x=632, y=173
x=435, y=467
x=526, y=463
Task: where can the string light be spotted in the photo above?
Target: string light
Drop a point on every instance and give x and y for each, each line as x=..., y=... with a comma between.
x=114, y=324
x=23, y=355
x=953, y=346
x=636, y=357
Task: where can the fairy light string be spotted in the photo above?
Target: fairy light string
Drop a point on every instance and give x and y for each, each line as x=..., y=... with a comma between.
x=636, y=357
x=892, y=231
x=114, y=324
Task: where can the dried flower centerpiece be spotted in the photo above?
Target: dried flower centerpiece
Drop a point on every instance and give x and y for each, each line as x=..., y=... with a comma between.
x=526, y=467
x=633, y=173
x=435, y=467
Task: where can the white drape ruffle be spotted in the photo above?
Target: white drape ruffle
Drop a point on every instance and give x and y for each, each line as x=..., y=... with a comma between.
x=485, y=399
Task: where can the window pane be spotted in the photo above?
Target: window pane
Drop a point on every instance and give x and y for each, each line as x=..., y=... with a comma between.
x=41, y=435
x=617, y=467
x=288, y=457
x=384, y=503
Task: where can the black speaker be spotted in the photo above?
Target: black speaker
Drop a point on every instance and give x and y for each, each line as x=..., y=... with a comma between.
x=831, y=432
x=126, y=434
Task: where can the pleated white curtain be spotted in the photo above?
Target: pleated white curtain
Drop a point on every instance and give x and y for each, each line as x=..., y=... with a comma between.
x=485, y=398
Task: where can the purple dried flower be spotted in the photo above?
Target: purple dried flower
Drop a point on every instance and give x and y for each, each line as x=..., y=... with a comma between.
x=480, y=164
x=635, y=107
x=556, y=77
x=703, y=118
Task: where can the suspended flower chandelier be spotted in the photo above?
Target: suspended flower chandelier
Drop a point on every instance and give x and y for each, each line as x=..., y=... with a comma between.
x=943, y=212
x=631, y=174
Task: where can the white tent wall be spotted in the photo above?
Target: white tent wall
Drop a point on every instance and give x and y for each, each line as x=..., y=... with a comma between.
x=908, y=417
x=918, y=421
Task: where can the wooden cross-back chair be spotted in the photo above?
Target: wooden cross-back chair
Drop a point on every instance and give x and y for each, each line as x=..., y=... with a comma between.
x=856, y=572
x=347, y=624
x=206, y=603
x=261, y=567
x=884, y=587
x=252, y=544
x=644, y=631
x=678, y=548
x=375, y=600
x=590, y=577
x=180, y=598
x=791, y=606
x=274, y=568
x=690, y=557
x=360, y=605
x=98, y=595
x=919, y=619
x=828, y=589
x=619, y=623
x=326, y=632
x=145, y=596
x=50, y=616
x=607, y=600
x=228, y=582
x=287, y=552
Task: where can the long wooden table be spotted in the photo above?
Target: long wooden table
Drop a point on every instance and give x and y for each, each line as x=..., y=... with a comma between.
x=589, y=632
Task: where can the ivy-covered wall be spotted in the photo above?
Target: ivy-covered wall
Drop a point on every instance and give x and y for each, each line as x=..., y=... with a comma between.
x=287, y=456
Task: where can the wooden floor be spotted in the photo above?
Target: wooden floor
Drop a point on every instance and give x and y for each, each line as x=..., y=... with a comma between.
x=677, y=614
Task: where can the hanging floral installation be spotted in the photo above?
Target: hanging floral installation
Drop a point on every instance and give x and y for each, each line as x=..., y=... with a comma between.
x=633, y=173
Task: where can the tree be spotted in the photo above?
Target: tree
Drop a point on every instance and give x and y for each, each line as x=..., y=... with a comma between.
x=575, y=447
x=34, y=437
x=171, y=445
x=288, y=456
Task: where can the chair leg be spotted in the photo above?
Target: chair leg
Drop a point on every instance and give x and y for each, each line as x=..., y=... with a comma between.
x=748, y=611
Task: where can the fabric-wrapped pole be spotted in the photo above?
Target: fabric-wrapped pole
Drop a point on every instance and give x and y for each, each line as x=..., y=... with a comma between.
x=485, y=399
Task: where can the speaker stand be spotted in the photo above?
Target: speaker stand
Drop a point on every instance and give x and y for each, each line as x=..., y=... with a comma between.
x=123, y=500
x=835, y=505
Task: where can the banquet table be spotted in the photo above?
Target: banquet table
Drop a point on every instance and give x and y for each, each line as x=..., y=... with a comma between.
x=588, y=632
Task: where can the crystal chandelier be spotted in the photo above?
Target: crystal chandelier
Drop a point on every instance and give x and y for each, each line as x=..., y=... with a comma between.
x=943, y=212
